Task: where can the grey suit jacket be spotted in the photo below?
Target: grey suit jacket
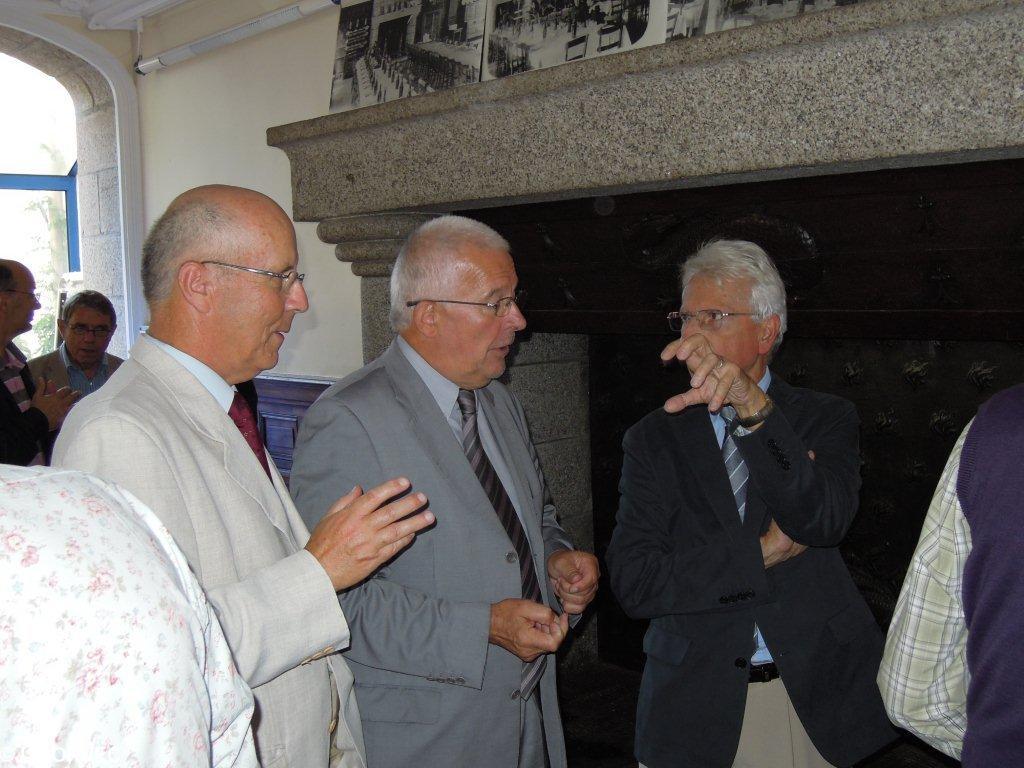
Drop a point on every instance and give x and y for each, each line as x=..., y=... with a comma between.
x=52, y=368
x=431, y=691
x=156, y=431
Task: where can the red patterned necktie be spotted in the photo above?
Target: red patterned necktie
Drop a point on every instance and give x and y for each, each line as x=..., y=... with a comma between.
x=241, y=414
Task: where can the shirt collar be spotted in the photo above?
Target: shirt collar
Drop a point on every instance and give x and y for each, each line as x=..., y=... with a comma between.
x=765, y=382
x=222, y=392
x=12, y=359
x=445, y=392
x=101, y=369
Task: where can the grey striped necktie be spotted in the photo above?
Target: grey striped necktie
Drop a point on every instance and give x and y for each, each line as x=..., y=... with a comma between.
x=734, y=464
x=499, y=499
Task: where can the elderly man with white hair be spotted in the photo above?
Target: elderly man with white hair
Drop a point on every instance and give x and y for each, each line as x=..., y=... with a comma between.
x=735, y=497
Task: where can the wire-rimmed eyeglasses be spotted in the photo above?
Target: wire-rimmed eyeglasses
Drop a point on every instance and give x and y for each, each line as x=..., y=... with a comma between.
x=34, y=294
x=500, y=308
x=99, y=331
x=288, y=279
x=706, y=318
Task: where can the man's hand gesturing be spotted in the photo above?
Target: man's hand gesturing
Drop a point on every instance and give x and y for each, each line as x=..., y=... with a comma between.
x=713, y=379
x=362, y=531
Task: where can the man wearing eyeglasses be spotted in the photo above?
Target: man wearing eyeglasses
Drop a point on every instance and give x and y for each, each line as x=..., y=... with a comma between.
x=220, y=274
x=30, y=409
x=81, y=362
x=761, y=653
x=452, y=641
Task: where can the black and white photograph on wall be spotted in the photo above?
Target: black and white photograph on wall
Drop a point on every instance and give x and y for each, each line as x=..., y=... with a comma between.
x=389, y=49
x=704, y=17
x=533, y=34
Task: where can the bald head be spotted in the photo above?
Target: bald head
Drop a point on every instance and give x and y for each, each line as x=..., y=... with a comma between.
x=214, y=222
x=17, y=302
x=12, y=274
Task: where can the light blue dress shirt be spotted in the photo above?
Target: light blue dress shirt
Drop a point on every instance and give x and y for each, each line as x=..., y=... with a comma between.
x=446, y=394
x=77, y=379
x=222, y=392
x=761, y=653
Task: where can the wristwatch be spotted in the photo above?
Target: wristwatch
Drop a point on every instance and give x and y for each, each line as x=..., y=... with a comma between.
x=757, y=416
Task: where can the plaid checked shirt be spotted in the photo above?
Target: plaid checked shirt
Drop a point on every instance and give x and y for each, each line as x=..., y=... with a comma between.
x=924, y=677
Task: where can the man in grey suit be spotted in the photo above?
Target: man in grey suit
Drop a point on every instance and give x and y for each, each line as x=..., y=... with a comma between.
x=451, y=639
x=220, y=275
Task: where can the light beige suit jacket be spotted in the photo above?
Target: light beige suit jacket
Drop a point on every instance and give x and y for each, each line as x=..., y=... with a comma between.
x=156, y=431
x=51, y=367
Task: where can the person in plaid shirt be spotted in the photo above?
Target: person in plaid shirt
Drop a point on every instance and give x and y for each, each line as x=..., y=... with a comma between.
x=29, y=410
x=949, y=673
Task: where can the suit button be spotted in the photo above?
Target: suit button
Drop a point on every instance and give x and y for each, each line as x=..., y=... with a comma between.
x=741, y=663
x=510, y=557
x=460, y=680
x=723, y=599
x=514, y=695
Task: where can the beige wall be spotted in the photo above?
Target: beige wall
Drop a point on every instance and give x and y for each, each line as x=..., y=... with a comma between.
x=205, y=121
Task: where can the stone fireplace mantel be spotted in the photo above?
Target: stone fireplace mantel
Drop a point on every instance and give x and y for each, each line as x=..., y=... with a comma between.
x=870, y=86
x=865, y=86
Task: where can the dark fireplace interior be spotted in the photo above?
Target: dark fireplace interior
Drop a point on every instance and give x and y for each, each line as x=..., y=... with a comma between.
x=906, y=295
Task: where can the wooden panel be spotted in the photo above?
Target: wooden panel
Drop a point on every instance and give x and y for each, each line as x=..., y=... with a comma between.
x=911, y=253
x=282, y=403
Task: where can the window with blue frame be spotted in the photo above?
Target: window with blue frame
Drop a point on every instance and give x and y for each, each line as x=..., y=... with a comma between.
x=38, y=191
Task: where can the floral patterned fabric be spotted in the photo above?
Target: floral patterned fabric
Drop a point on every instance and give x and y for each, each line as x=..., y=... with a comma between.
x=109, y=653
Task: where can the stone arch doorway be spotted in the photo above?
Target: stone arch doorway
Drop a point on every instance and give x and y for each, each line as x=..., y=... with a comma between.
x=110, y=218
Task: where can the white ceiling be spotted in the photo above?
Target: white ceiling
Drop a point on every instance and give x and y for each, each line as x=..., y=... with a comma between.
x=98, y=14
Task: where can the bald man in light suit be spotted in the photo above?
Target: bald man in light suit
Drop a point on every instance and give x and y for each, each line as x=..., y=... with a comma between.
x=220, y=275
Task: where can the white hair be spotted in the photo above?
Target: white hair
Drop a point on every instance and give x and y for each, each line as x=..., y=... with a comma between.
x=429, y=260
x=722, y=260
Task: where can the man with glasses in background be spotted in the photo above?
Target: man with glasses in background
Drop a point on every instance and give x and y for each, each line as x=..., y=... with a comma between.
x=761, y=653
x=220, y=274
x=81, y=362
x=452, y=640
x=29, y=409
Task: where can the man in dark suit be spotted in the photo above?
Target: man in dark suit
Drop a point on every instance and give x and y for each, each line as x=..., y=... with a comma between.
x=734, y=499
x=29, y=410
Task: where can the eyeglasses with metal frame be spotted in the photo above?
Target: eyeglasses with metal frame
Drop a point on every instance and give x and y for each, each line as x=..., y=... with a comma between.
x=500, y=308
x=706, y=318
x=34, y=294
x=99, y=331
x=288, y=279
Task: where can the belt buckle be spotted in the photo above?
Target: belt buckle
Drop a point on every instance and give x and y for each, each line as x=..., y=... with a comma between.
x=763, y=673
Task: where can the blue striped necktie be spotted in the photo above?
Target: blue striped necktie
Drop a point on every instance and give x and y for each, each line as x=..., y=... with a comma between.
x=734, y=464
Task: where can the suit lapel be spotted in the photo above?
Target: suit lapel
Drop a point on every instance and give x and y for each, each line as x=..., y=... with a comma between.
x=518, y=460
x=431, y=428
x=202, y=410
x=707, y=466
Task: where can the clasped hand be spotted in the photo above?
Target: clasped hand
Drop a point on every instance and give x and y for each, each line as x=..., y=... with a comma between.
x=573, y=575
x=526, y=628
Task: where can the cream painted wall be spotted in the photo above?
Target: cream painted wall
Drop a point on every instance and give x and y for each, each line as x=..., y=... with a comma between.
x=205, y=121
